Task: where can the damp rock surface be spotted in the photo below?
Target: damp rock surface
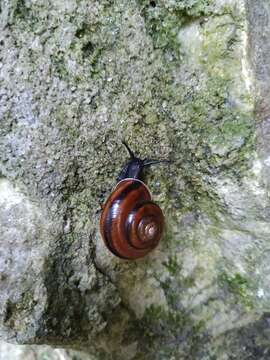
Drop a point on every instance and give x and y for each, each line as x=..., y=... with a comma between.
x=185, y=80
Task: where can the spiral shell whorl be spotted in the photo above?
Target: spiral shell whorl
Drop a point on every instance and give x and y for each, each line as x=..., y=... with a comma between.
x=131, y=224
x=147, y=229
x=145, y=225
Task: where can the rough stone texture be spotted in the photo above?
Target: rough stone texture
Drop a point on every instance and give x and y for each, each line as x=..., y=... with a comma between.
x=177, y=79
x=30, y=352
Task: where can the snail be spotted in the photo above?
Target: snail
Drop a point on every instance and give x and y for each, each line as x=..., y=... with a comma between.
x=131, y=224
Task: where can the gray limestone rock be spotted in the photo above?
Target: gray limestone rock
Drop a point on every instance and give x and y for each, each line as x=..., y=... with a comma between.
x=32, y=352
x=186, y=80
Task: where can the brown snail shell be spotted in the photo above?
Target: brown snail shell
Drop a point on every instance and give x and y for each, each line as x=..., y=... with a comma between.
x=131, y=224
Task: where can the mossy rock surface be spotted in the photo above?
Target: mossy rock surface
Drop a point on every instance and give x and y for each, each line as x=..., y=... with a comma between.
x=185, y=80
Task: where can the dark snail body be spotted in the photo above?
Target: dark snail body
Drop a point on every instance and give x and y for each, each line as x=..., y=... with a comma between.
x=131, y=223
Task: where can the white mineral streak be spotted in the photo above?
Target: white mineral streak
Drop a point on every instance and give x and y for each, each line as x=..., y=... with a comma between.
x=8, y=195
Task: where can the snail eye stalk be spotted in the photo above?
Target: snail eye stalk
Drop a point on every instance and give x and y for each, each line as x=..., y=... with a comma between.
x=148, y=162
x=129, y=150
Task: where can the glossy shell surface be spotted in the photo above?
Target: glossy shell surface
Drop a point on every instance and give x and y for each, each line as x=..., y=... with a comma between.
x=131, y=223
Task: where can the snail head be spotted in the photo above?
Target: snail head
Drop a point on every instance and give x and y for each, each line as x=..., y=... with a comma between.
x=135, y=166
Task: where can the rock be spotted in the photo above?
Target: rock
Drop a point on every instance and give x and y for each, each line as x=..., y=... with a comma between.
x=30, y=352
x=186, y=80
